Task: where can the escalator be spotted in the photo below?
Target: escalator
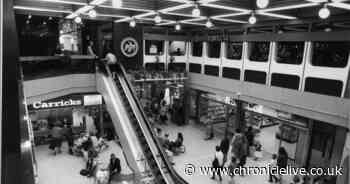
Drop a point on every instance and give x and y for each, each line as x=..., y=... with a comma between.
x=132, y=113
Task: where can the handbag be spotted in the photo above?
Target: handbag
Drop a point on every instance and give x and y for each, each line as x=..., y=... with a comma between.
x=84, y=172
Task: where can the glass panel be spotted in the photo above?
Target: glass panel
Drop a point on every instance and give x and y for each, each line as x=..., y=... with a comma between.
x=214, y=49
x=324, y=86
x=234, y=50
x=255, y=76
x=259, y=51
x=197, y=49
x=290, y=52
x=154, y=47
x=285, y=81
x=177, y=48
x=330, y=54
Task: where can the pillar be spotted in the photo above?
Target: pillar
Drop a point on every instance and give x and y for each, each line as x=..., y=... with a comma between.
x=303, y=145
x=102, y=132
x=240, y=119
x=345, y=163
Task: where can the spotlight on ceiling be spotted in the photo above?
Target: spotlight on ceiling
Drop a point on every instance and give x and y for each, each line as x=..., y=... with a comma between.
x=209, y=24
x=50, y=18
x=27, y=22
x=44, y=23
x=324, y=12
x=77, y=20
x=262, y=3
x=157, y=19
x=92, y=13
x=252, y=19
x=196, y=11
x=132, y=23
x=29, y=16
x=178, y=27
x=117, y=3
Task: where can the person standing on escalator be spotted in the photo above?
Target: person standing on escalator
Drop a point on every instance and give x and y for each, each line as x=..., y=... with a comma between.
x=111, y=61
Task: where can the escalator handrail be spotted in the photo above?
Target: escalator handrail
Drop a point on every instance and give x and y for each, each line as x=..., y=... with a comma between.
x=178, y=178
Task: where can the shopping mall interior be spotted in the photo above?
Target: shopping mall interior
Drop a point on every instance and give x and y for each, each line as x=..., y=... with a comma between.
x=157, y=91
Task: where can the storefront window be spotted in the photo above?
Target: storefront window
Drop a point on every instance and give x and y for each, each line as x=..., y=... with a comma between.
x=259, y=51
x=154, y=47
x=290, y=52
x=330, y=54
x=177, y=48
x=234, y=50
x=197, y=49
x=214, y=49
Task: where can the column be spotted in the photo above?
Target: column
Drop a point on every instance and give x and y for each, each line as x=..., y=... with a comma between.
x=101, y=121
x=303, y=145
x=240, y=119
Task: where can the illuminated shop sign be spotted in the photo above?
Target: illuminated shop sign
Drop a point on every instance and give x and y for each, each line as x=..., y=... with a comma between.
x=67, y=101
x=56, y=104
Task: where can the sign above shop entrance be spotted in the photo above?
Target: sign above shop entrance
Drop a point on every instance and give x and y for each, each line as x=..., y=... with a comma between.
x=56, y=104
x=67, y=101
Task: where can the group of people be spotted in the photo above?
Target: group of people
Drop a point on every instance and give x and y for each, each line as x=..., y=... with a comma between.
x=175, y=146
x=244, y=145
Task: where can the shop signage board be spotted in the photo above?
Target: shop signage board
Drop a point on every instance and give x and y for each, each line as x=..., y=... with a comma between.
x=92, y=100
x=67, y=101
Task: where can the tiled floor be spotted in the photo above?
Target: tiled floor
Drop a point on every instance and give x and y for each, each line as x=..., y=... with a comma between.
x=200, y=152
x=64, y=168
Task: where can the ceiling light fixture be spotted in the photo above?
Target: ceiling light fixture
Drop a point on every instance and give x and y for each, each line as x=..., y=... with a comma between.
x=158, y=19
x=252, y=19
x=262, y=3
x=324, y=12
x=196, y=12
x=177, y=27
x=77, y=20
x=92, y=13
x=132, y=23
x=50, y=18
x=209, y=24
x=29, y=16
x=117, y=3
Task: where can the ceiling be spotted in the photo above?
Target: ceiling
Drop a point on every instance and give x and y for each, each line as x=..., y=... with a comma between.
x=222, y=13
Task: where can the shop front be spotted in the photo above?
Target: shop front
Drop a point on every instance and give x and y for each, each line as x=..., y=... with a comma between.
x=81, y=111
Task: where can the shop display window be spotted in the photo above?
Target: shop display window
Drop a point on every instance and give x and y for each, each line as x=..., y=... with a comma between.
x=290, y=52
x=214, y=49
x=197, y=49
x=330, y=54
x=234, y=50
x=287, y=133
x=259, y=51
x=154, y=47
x=177, y=48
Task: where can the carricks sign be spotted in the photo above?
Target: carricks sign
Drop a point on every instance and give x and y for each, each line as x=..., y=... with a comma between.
x=61, y=103
x=57, y=103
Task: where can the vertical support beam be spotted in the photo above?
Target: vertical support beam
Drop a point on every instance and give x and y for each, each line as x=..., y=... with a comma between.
x=1, y=47
x=102, y=132
x=240, y=122
x=303, y=145
x=10, y=148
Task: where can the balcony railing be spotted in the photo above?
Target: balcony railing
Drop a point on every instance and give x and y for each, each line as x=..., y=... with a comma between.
x=36, y=67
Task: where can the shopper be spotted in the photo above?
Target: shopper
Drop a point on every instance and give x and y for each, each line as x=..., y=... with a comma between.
x=114, y=166
x=250, y=138
x=90, y=49
x=282, y=159
x=111, y=61
x=273, y=164
x=163, y=112
x=208, y=123
x=166, y=142
x=225, y=146
x=57, y=135
x=70, y=138
x=217, y=163
x=90, y=166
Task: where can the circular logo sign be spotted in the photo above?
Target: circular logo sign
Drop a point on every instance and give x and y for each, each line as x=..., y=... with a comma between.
x=129, y=47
